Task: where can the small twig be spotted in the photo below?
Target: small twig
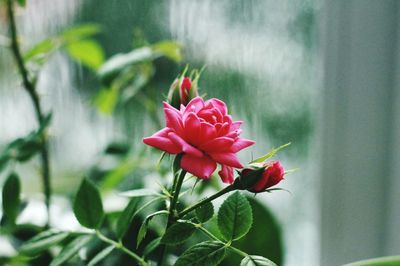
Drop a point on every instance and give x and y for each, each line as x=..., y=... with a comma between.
x=30, y=88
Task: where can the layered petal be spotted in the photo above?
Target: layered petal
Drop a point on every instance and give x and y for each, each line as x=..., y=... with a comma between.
x=201, y=167
x=226, y=174
x=186, y=147
x=217, y=144
x=161, y=141
x=228, y=158
x=240, y=144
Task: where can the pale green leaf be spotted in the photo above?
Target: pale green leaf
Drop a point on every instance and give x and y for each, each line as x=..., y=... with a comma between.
x=253, y=260
x=143, y=192
x=270, y=154
x=70, y=250
x=80, y=32
x=106, y=100
x=42, y=241
x=101, y=255
x=169, y=49
x=88, y=52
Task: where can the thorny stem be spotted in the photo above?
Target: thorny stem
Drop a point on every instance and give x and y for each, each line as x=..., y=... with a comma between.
x=172, y=209
x=121, y=247
x=30, y=88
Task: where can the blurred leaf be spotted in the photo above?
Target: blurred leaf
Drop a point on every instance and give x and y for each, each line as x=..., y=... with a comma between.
x=117, y=148
x=113, y=66
x=42, y=242
x=112, y=179
x=21, y=2
x=384, y=261
x=143, y=192
x=4, y=158
x=88, y=52
x=253, y=260
x=270, y=245
x=101, y=255
x=235, y=217
x=143, y=228
x=126, y=217
x=80, y=32
x=40, y=52
x=106, y=100
x=270, y=154
x=178, y=233
x=70, y=250
x=88, y=207
x=205, y=212
x=205, y=253
x=151, y=246
x=11, y=197
x=169, y=49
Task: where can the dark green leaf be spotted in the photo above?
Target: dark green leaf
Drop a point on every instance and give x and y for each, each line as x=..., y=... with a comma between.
x=4, y=159
x=88, y=207
x=138, y=193
x=126, y=217
x=253, y=260
x=117, y=148
x=178, y=233
x=22, y=2
x=88, y=52
x=205, y=253
x=11, y=197
x=235, y=217
x=42, y=241
x=142, y=233
x=205, y=212
x=101, y=255
x=151, y=246
x=70, y=250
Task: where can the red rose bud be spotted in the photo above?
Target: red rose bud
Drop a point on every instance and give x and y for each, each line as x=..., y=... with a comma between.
x=185, y=87
x=259, y=178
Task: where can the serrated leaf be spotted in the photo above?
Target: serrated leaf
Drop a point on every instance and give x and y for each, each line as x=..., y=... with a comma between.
x=253, y=260
x=270, y=154
x=88, y=207
x=70, y=250
x=126, y=217
x=205, y=253
x=205, y=212
x=42, y=242
x=151, y=246
x=178, y=233
x=138, y=193
x=88, y=52
x=235, y=217
x=11, y=197
x=101, y=255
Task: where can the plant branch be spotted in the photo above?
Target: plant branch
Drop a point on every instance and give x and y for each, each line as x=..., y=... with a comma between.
x=120, y=246
x=30, y=88
x=206, y=200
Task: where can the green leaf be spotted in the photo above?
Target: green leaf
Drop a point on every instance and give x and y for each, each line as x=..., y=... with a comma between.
x=205, y=253
x=151, y=246
x=270, y=154
x=101, y=255
x=143, y=228
x=235, y=217
x=106, y=100
x=4, y=159
x=88, y=52
x=253, y=260
x=80, y=32
x=383, y=261
x=11, y=197
x=70, y=250
x=169, y=49
x=138, y=193
x=42, y=241
x=205, y=212
x=126, y=217
x=21, y=2
x=178, y=233
x=41, y=51
x=88, y=207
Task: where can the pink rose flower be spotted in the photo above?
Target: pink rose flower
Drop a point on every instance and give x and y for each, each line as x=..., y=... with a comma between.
x=259, y=179
x=205, y=134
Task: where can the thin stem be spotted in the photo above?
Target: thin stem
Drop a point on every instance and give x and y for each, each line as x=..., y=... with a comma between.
x=121, y=247
x=30, y=88
x=206, y=200
x=172, y=210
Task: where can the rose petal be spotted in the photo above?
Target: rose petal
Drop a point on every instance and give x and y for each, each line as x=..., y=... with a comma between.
x=195, y=105
x=220, y=105
x=240, y=144
x=173, y=119
x=227, y=158
x=163, y=144
x=192, y=128
x=226, y=174
x=186, y=147
x=201, y=167
x=217, y=144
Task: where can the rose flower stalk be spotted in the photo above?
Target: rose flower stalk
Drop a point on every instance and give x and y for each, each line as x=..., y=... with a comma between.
x=205, y=134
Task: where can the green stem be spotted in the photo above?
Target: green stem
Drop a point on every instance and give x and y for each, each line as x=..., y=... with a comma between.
x=120, y=246
x=206, y=200
x=172, y=210
x=30, y=88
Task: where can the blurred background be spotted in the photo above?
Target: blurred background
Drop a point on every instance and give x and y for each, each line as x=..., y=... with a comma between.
x=322, y=75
